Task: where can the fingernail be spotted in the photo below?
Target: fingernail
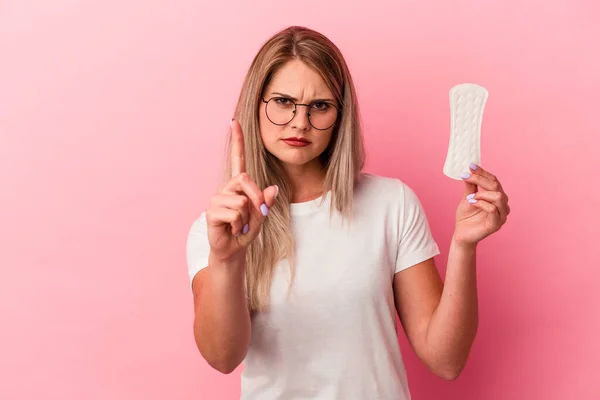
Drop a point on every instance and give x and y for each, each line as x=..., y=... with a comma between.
x=465, y=175
x=469, y=197
x=276, y=191
x=472, y=201
x=473, y=167
x=264, y=209
x=245, y=229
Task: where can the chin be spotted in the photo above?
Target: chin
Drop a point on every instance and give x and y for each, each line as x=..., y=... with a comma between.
x=295, y=157
x=298, y=160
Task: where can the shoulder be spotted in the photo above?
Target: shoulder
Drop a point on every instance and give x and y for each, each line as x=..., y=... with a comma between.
x=199, y=224
x=378, y=188
x=197, y=231
x=197, y=246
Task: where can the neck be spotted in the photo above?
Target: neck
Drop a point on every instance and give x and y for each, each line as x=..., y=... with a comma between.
x=306, y=181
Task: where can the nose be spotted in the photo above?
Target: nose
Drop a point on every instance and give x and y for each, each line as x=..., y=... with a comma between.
x=300, y=120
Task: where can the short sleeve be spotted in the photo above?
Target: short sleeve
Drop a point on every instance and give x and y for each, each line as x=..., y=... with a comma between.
x=197, y=247
x=416, y=242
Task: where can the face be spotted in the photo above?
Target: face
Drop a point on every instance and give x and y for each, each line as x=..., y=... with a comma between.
x=297, y=143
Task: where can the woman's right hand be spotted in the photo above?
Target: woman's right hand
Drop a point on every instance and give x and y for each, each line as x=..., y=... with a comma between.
x=235, y=215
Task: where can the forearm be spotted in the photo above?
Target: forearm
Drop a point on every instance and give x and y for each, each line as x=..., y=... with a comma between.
x=453, y=326
x=222, y=319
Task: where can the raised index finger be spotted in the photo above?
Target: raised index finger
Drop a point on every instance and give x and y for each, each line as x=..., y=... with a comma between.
x=238, y=161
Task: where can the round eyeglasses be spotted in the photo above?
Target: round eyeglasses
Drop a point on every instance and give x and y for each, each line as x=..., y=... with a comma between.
x=322, y=115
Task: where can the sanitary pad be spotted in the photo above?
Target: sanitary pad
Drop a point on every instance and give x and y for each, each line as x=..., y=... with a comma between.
x=467, y=101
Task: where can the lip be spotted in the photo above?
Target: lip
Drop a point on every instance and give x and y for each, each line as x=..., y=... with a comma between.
x=296, y=141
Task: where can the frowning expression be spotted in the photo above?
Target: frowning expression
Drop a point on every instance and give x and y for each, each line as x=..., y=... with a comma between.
x=297, y=134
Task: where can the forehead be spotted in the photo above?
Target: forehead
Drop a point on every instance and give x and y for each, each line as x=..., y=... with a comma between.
x=298, y=80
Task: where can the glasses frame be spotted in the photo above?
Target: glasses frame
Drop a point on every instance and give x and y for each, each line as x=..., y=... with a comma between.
x=296, y=108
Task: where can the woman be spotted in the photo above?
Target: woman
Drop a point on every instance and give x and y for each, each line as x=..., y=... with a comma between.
x=300, y=262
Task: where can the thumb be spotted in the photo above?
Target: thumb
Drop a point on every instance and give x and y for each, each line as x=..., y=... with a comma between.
x=270, y=195
x=256, y=219
x=257, y=216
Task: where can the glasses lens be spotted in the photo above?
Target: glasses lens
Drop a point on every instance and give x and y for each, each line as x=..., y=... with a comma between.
x=280, y=110
x=323, y=115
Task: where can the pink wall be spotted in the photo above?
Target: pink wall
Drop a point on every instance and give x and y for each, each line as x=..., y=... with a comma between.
x=112, y=121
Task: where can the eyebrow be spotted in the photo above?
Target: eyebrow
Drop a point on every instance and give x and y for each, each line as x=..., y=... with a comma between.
x=296, y=100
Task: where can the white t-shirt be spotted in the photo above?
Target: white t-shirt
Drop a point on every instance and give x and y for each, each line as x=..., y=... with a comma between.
x=335, y=336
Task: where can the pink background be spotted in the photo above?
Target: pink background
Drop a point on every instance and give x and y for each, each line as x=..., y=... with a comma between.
x=112, y=123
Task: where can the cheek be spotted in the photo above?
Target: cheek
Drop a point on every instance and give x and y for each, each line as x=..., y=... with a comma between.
x=322, y=140
x=262, y=123
x=269, y=133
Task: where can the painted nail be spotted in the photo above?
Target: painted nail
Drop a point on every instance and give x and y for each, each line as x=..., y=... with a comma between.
x=472, y=195
x=465, y=175
x=264, y=209
x=245, y=229
x=276, y=191
x=472, y=201
x=473, y=167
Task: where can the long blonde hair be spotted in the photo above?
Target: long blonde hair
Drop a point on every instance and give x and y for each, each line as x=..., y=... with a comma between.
x=343, y=159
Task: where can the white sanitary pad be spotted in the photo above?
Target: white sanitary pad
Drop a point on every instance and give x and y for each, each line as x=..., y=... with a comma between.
x=467, y=101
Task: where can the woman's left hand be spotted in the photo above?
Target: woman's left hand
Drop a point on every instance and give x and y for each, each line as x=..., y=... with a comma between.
x=481, y=212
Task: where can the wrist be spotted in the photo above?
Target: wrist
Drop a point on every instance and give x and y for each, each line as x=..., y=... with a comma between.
x=463, y=245
x=234, y=261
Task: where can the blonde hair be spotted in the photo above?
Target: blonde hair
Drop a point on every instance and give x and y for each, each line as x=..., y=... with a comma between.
x=343, y=159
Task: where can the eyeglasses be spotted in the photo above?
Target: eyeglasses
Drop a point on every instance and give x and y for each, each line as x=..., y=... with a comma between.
x=322, y=115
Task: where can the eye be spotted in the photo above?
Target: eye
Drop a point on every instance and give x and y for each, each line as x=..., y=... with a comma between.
x=321, y=106
x=282, y=101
